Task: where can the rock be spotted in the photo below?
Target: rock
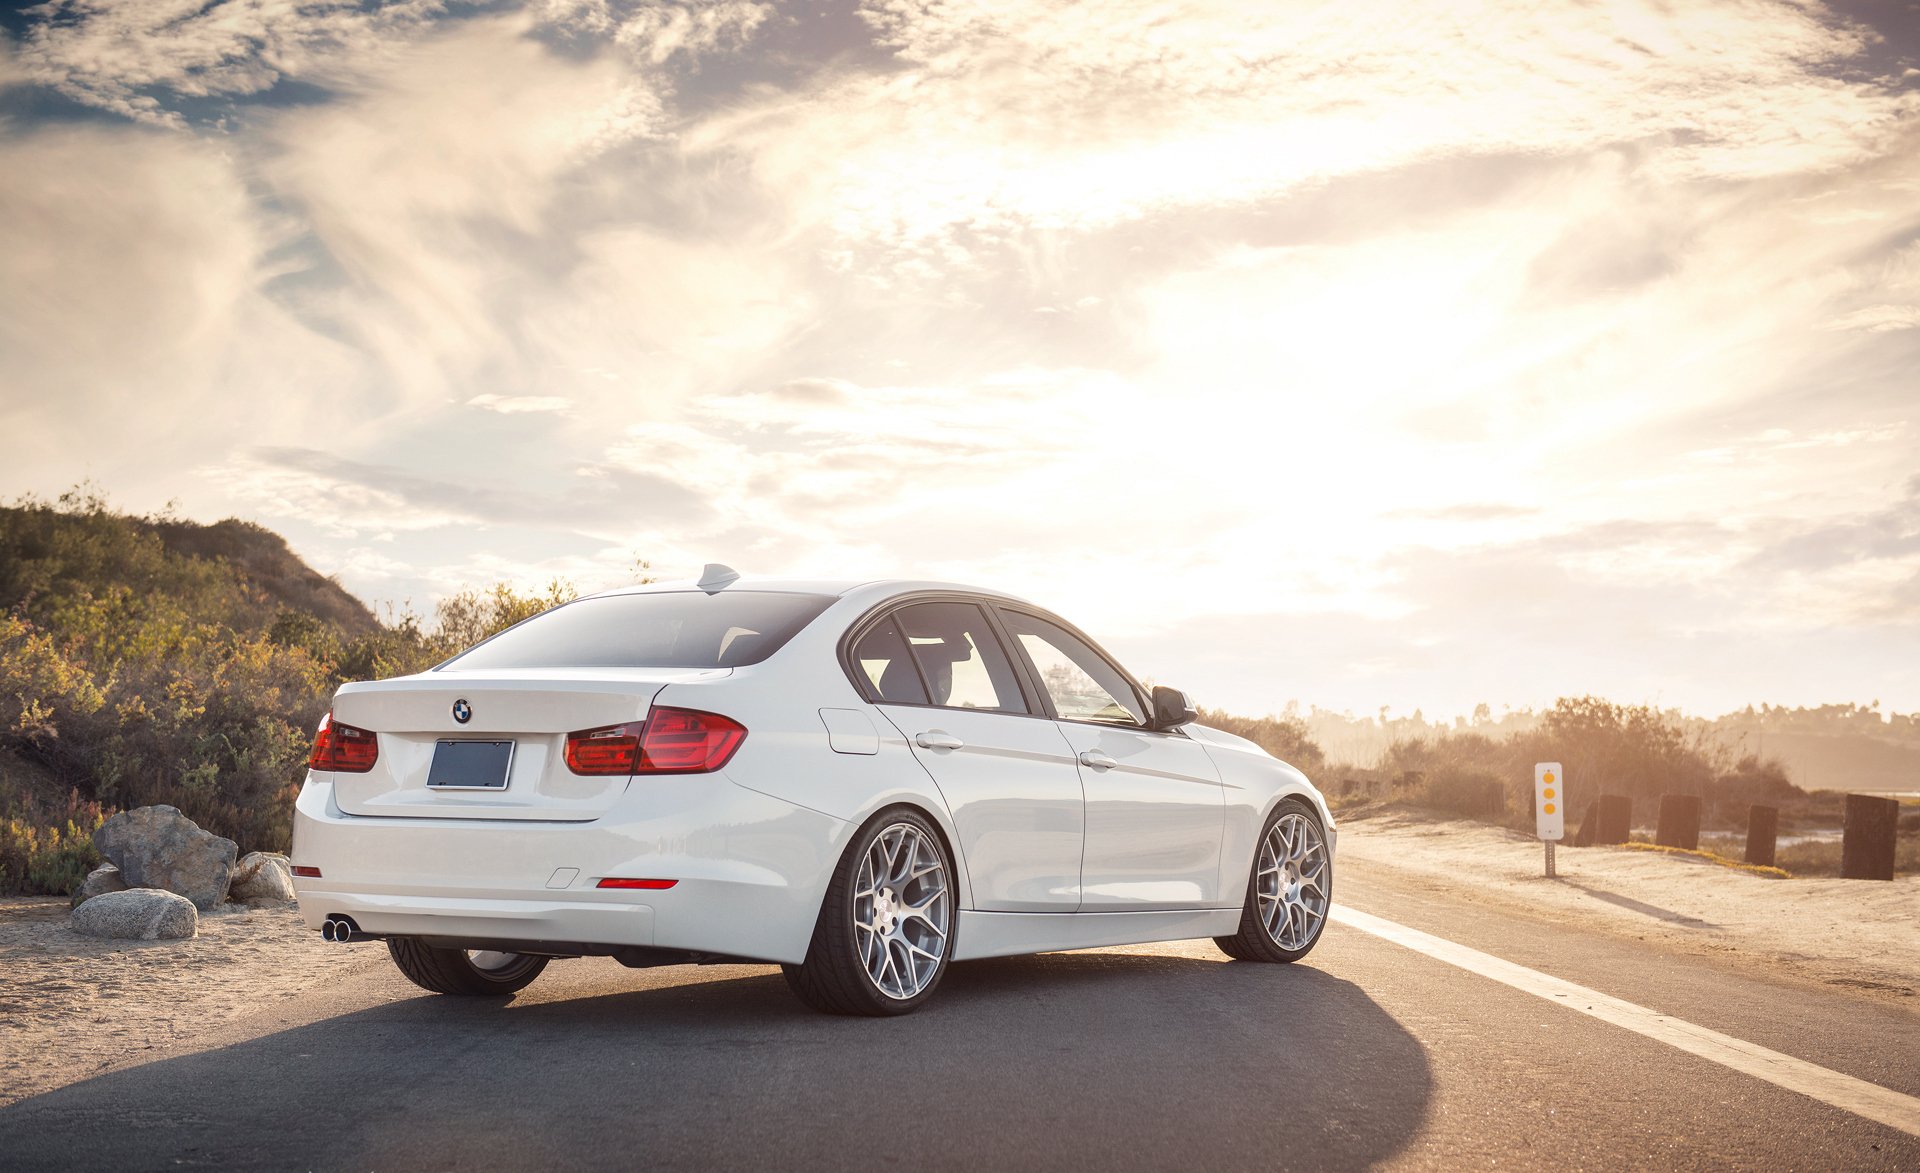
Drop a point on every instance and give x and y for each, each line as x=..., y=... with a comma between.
x=158, y=847
x=261, y=875
x=101, y=880
x=139, y=914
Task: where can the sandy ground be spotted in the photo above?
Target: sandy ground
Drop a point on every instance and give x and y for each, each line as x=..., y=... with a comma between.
x=1860, y=934
x=71, y=1005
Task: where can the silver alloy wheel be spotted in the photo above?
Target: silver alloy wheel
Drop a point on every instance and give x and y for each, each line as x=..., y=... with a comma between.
x=490, y=960
x=1292, y=881
x=902, y=910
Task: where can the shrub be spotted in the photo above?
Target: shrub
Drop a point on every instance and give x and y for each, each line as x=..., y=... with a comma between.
x=1464, y=790
x=47, y=860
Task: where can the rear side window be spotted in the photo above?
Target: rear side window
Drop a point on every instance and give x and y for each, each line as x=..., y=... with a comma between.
x=883, y=660
x=960, y=657
x=668, y=629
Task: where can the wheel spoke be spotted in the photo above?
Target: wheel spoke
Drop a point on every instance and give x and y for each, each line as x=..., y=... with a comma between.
x=903, y=901
x=1290, y=880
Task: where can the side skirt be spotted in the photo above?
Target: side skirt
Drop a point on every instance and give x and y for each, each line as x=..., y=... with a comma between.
x=1006, y=934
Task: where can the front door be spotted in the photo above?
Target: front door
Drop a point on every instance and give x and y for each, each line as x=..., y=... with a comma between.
x=1156, y=810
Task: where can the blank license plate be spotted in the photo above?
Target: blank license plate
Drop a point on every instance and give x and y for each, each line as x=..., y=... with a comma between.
x=470, y=765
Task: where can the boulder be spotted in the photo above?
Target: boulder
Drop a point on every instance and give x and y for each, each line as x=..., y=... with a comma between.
x=139, y=914
x=158, y=847
x=261, y=875
x=103, y=879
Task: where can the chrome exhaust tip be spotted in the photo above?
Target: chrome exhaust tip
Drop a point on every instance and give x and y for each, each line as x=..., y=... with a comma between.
x=326, y=929
x=337, y=929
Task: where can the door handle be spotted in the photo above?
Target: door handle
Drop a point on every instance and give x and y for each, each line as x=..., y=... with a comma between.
x=1094, y=759
x=936, y=739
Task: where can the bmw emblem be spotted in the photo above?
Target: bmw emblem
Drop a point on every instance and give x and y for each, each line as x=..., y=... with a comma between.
x=462, y=711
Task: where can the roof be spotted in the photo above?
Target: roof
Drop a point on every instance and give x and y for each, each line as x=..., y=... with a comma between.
x=876, y=588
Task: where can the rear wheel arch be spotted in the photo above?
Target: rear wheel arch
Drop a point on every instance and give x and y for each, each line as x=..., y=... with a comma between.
x=930, y=810
x=836, y=974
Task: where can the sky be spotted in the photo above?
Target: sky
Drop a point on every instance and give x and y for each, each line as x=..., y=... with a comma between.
x=1355, y=354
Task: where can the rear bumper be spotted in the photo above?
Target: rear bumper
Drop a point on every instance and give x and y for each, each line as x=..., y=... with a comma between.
x=750, y=871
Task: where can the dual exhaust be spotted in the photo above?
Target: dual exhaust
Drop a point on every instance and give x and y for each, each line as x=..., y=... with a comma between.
x=341, y=930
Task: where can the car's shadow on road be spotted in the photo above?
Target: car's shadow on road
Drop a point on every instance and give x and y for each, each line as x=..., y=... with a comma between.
x=1065, y=1061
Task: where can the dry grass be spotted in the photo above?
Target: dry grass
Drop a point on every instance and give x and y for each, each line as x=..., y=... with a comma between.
x=1736, y=864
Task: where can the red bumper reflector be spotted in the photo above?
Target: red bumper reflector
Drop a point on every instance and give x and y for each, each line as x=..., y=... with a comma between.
x=617, y=882
x=309, y=873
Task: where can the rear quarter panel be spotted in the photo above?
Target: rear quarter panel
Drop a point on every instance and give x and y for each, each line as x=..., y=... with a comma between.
x=788, y=753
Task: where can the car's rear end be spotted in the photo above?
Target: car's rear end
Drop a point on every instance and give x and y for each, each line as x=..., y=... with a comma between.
x=544, y=794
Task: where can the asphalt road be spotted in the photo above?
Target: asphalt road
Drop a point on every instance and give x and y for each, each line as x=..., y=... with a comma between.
x=1155, y=1057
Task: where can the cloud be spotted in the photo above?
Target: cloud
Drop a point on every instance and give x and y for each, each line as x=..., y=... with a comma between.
x=350, y=497
x=656, y=32
x=126, y=56
x=137, y=58
x=1876, y=318
x=1047, y=116
x=1471, y=511
x=134, y=315
x=519, y=404
x=1408, y=335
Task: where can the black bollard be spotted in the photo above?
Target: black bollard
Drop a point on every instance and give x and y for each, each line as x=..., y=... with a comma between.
x=1589, y=825
x=1866, y=849
x=1763, y=828
x=1679, y=821
x=1616, y=819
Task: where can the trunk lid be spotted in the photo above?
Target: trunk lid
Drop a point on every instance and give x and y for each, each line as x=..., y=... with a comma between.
x=533, y=709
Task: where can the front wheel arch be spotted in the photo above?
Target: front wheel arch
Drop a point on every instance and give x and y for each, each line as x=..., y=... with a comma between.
x=1252, y=941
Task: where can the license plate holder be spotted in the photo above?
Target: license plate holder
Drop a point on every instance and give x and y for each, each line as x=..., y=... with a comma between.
x=470, y=765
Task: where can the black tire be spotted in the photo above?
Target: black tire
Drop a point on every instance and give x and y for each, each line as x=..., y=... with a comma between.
x=451, y=971
x=833, y=978
x=1253, y=942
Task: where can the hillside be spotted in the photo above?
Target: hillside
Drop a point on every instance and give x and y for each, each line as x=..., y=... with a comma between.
x=260, y=559
x=152, y=660
x=235, y=573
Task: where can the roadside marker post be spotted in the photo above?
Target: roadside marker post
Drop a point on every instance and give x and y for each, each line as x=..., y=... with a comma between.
x=1549, y=807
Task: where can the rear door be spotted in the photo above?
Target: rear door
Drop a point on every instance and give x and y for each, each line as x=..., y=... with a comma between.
x=938, y=671
x=1156, y=811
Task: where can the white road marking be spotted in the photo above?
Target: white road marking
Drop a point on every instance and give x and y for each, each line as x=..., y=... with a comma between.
x=1884, y=1105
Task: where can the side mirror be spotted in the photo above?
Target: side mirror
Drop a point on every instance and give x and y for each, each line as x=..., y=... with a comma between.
x=1172, y=708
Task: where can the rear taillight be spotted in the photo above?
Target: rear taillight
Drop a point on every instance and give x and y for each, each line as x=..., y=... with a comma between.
x=612, y=750
x=687, y=741
x=670, y=741
x=344, y=748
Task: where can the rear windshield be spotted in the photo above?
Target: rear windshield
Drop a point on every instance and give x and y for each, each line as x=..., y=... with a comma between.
x=671, y=629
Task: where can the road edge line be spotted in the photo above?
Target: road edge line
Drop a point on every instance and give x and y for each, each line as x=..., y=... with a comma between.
x=1883, y=1105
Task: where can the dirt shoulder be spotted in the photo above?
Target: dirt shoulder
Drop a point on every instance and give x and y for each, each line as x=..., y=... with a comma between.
x=1860, y=934
x=72, y=1006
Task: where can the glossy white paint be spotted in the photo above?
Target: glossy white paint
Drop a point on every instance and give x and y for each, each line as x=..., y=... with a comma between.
x=1052, y=850
x=1015, y=796
x=1008, y=934
x=1155, y=819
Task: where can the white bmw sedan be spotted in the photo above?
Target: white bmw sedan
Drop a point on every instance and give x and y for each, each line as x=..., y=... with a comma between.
x=861, y=783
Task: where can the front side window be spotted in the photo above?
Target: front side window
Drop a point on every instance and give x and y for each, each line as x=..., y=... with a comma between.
x=655, y=629
x=960, y=657
x=1081, y=683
